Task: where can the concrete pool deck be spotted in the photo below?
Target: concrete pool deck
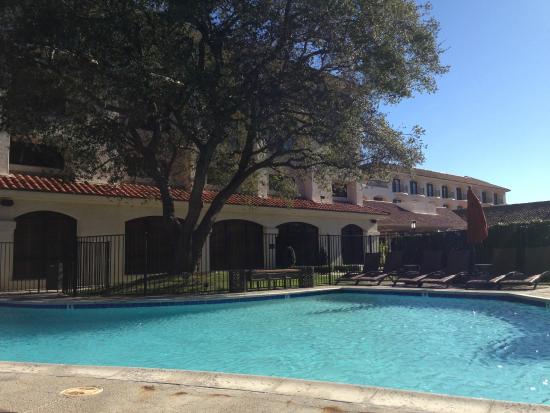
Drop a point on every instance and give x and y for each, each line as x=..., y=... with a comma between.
x=26, y=387
x=540, y=295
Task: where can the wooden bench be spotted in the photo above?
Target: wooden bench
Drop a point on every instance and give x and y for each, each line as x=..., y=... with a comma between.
x=270, y=276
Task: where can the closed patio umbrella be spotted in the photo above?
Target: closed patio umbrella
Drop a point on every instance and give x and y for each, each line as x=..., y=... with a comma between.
x=477, y=224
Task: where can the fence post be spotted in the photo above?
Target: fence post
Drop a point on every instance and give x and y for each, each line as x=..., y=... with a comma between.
x=146, y=263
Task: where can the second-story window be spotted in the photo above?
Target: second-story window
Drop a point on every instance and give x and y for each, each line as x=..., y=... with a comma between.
x=414, y=188
x=429, y=190
x=484, y=197
x=339, y=190
x=495, y=198
x=396, y=185
x=444, y=192
x=459, y=194
x=31, y=154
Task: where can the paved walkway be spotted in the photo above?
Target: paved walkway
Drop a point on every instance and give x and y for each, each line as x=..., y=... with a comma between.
x=26, y=387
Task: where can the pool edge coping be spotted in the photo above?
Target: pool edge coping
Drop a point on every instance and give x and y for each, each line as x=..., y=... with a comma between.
x=370, y=396
x=67, y=302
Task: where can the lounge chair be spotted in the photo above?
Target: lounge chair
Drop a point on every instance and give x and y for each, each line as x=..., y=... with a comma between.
x=486, y=281
x=518, y=279
x=392, y=264
x=370, y=265
x=458, y=262
x=504, y=263
x=432, y=261
x=536, y=269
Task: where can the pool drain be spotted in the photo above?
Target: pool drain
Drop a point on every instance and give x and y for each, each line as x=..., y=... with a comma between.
x=82, y=391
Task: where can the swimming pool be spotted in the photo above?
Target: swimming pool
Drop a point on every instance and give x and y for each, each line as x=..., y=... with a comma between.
x=469, y=347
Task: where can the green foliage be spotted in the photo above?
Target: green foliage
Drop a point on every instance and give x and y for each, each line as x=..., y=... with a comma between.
x=175, y=90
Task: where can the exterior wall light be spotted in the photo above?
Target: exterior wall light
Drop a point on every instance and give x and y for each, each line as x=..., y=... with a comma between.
x=413, y=225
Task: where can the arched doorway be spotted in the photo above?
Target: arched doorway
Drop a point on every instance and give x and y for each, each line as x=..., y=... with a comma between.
x=353, y=249
x=236, y=244
x=43, y=240
x=149, y=247
x=303, y=238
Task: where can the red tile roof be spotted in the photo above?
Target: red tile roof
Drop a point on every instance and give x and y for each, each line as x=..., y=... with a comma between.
x=22, y=182
x=468, y=180
x=399, y=219
x=514, y=213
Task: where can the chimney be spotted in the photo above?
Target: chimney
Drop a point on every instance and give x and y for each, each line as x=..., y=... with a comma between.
x=4, y=153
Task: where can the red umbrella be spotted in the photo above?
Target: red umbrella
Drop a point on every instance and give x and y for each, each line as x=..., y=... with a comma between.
x=477, y=224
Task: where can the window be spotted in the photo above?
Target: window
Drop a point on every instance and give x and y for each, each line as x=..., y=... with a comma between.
x=459, y=207
x=396, y=201
x=236, y=244
x=459, y=194
x=396, y=185
x=430, y=190
x=352, y=245
x=339, y=190
x=444, y=192
x=484, y=197
x=445, y=206
x=414, y=188
x=377, y=198
x=32, y=154
x=42, y=239
x=495, y=198
x=304, y=240
x=148, y=247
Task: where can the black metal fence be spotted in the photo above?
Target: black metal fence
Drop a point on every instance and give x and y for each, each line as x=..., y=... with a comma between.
x=145, y=265
x=516, y=239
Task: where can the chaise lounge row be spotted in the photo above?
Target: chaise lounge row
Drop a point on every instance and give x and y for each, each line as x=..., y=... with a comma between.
x=457, y=270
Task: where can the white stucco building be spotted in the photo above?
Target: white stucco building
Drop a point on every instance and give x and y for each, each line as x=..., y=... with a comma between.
x=38, y=209
x=420, y=190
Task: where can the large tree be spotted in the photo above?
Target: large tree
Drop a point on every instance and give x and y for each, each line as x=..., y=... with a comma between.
x=180, y=90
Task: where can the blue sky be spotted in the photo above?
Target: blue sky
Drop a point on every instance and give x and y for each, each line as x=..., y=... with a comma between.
x=490, y=118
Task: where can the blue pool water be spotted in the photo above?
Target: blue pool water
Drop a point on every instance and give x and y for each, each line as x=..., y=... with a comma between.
x=469, y=347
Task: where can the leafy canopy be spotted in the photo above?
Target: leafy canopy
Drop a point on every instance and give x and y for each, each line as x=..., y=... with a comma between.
x=175, y=90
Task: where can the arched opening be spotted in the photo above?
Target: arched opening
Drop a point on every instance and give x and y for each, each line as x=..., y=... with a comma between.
x=42, y=241
x=303, y=238
x=236, y=244
x=149, y=247
x=352, y=244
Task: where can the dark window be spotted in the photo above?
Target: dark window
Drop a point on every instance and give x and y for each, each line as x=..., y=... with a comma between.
x=459, y=207
x=414, y=188
x=149, y=247
x=429, y=190
x=459, y=194
x=352, y=244
x=484, y=197
x=236, y=244
x=339, y=190
x=396, y=201
x=26, y=153
x=396, y=185
x=445, y=206
x=495, y=199
x=303, y=238
x=444, y=192
x=377, y=198
x=41, y=240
